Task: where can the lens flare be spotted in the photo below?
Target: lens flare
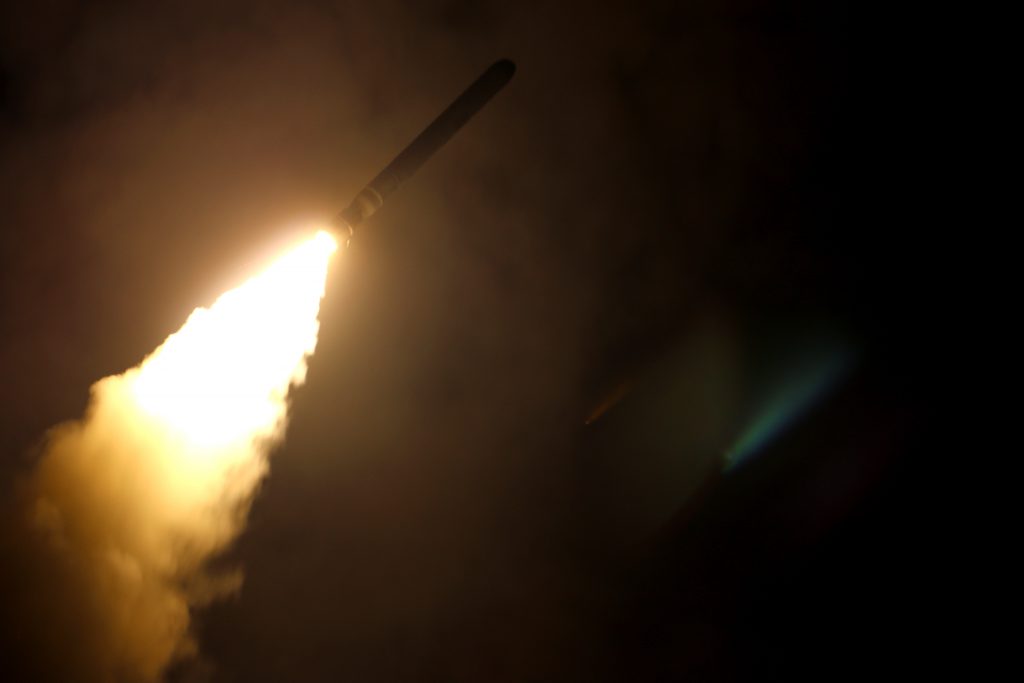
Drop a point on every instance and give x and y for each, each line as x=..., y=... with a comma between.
x=132, y=501
x=789, y=400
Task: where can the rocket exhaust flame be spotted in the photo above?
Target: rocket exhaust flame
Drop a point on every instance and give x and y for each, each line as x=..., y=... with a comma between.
x=132, y=501
x=225, y=375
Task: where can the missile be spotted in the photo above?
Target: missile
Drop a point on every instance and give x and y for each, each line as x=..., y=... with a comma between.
x=465, y=106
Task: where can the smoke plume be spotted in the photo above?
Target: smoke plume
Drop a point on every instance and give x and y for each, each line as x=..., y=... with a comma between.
x=128, y=505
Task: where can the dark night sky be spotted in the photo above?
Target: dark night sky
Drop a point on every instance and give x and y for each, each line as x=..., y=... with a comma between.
x=672, y=203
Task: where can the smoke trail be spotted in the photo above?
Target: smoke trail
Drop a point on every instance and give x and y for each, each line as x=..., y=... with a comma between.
x=128, y=505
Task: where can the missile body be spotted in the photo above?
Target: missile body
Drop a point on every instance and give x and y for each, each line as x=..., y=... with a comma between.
x=371, y=197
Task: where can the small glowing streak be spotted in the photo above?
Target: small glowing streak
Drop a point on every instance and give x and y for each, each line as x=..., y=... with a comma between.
x=609, y=402
x=787, y=404
x=223, y=378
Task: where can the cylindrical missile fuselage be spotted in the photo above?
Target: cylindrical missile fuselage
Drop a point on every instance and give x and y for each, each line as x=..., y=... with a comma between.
x=371, y=197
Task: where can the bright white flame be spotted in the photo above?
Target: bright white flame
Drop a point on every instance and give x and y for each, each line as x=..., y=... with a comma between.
x=225, y=374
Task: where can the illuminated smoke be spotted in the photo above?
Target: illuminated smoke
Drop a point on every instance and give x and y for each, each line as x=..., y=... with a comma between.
x=129, y=504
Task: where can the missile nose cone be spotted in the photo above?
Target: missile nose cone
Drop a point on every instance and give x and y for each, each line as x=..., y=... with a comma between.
x=503, y=69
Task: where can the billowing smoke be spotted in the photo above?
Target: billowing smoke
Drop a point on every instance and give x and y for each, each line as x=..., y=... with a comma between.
x=128, y=505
